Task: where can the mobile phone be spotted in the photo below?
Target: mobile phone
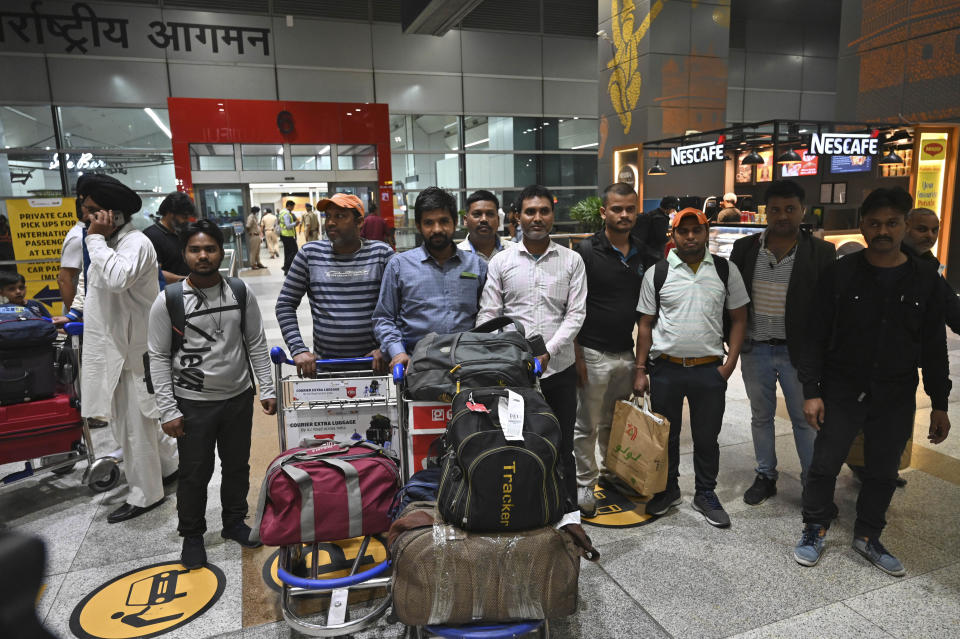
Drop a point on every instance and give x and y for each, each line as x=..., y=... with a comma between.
x=118, y=220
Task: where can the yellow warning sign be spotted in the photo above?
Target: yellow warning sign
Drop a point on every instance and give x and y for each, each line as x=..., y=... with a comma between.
x=616, y=511
x=36, y=228
x=334, y=560
x=147, y=602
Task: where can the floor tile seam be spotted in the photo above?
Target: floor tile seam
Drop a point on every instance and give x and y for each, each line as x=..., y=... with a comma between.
x=99, y=501
x=55, y=596
x=655, y=621
x=876, y=623
x=909, y=577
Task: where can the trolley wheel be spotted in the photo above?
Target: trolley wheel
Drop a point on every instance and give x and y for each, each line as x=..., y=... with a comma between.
x=107, y=482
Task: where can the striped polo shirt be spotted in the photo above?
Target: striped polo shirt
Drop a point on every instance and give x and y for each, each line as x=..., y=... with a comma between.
x=342, y=290
x=771, y=279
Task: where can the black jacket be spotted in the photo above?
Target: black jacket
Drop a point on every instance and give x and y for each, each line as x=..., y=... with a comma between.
x=868, y=338
x=812, y=258
x=650, y=229
x=613, y=289
x=951, y=301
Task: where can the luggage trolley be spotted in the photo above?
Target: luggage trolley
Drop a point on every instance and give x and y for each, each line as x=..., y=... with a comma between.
x=303, y=405
x=64, y=439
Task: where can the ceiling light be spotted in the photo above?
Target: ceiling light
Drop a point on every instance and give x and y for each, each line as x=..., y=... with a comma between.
x=157, y=121
x=752, y=158
x=584, y=146
x=467, y=146
x=21, y=113
x=790, y=157
x=891, y=158
x=656, y=169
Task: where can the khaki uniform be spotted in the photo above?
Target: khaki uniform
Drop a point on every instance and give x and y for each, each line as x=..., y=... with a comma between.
x=311, y=226
x=253, y=240
x=269, y=223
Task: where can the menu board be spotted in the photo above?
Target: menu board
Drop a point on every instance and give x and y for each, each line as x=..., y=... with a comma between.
x=808, y=166
x=850, y=163
x=765, y=170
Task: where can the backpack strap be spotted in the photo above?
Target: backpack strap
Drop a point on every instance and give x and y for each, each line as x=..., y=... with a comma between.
x=723, y=270
x=660, y=270
x=173, y=296
x=239, y=290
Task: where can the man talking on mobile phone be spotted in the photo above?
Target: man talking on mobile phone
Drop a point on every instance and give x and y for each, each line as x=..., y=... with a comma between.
x=121, y=284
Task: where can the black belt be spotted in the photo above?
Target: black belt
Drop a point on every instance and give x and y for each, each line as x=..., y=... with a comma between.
x=771, y=342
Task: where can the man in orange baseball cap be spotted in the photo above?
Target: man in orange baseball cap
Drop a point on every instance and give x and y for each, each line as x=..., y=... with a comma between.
x=680, y=337
x=342, y=325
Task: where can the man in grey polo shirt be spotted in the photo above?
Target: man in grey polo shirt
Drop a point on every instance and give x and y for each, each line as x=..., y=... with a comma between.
x=681, y=330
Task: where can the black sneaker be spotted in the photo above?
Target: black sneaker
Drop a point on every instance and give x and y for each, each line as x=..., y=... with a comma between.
x=663, y=501
x=194, y=555
x=708, y=505
x=240, y=533
x=762, y=489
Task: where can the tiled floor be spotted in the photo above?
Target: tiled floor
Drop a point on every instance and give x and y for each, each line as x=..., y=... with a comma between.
x=675, y=577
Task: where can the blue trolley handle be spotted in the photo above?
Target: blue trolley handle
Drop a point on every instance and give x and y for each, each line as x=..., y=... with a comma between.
x=279, y=356
x=73, y=328
x=342, y=582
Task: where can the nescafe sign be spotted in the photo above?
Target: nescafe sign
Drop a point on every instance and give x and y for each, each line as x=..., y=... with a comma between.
x=697, y=153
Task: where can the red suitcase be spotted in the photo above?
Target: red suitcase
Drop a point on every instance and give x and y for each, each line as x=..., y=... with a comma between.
x=38, y=428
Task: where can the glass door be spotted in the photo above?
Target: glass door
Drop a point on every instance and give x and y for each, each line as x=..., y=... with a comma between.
x=226, y=205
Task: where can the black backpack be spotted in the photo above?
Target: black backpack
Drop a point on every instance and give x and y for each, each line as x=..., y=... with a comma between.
x=490, y=484
x=21, y=328
x=443, y=365
x=660, y=270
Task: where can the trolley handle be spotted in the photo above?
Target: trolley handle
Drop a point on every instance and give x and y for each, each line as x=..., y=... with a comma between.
x=279, y=356
x=398, y=370
x=73, y=328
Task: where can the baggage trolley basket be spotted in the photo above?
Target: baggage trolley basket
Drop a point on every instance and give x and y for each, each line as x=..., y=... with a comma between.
x=101, y=474
x=331, y=391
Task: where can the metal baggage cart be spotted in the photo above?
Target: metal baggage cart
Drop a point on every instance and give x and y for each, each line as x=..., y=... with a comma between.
x=334, y=405
x=101, y=474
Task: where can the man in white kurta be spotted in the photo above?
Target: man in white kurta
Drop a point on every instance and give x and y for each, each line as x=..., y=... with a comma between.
x=122, y=283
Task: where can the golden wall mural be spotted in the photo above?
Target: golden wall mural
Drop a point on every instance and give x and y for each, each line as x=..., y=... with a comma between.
x=626, y=79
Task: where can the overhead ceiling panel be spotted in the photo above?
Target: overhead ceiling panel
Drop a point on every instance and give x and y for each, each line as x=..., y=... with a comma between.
x=231, y=6
x=570, y=18
x=506, y=15
x=337, y=9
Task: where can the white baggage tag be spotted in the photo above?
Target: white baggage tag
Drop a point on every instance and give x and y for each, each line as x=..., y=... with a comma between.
x=511, y=416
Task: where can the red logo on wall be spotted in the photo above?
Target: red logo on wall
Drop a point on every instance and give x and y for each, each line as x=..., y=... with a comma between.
x=351, y=391
x=933, y=148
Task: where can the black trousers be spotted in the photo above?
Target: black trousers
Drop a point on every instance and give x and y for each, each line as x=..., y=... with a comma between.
x=886, y=419
x=224, y=425
x=289, y=251
x=560, y=391
x=705, y=390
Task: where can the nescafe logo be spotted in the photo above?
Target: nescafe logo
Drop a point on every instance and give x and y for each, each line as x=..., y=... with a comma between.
x=285, y=122
x=933, y=148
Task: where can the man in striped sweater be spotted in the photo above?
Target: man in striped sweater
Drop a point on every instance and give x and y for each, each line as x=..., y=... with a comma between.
x=341, y=278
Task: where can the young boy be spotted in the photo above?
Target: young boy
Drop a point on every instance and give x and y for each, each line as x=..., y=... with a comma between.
x=13, y=290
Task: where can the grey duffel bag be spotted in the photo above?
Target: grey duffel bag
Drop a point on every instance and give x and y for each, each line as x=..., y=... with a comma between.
x=443, y=365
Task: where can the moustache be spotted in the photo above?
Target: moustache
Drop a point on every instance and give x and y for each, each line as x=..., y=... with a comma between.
x=882, y=238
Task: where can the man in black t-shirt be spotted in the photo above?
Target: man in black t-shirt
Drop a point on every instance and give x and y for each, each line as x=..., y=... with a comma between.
x=651, y=227
x=615, y=263
x=175, y=213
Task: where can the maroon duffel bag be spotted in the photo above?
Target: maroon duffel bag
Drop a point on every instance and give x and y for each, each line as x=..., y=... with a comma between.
x=334, y=491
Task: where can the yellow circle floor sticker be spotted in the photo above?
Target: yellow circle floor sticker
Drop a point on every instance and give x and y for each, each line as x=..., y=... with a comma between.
x=147, y=602
x=617, y=511
x=334, y=560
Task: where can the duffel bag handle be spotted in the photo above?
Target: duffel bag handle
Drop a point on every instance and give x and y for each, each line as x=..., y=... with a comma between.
x=498, y=323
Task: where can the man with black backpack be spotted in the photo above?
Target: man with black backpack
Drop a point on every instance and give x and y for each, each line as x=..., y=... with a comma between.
x=205, y=332
x=681, y=329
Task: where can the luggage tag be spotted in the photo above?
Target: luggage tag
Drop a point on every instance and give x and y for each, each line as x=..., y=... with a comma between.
x=476, y=407
x=511, y=416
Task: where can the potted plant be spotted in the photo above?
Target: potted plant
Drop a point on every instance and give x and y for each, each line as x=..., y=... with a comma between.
x=587, y=213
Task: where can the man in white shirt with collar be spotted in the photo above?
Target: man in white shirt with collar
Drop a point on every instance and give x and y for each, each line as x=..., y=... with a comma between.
x=483, y=222
x=543, y=286
x=680, y=327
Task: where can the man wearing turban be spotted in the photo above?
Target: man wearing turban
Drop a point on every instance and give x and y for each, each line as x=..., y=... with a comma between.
x=121, y=284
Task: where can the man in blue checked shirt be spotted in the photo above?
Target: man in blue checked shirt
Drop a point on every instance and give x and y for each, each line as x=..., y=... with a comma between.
x=434, y=288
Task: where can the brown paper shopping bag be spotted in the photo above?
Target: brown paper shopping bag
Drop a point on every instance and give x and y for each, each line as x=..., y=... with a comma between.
x=637, y=452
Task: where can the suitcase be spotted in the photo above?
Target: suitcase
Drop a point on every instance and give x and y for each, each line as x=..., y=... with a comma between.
x=27, y=374
x=444, y=575
x=36, y=429
x=331, y=492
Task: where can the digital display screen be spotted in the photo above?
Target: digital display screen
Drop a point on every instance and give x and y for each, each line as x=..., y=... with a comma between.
x=850, y=163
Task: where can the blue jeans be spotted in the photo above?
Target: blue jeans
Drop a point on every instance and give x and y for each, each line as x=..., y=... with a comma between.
x=761, y=368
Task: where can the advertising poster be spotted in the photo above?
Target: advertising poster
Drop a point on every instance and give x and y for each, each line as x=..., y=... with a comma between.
x=32, y=231
x=744, y=174
x=765, y=170
x=808, y=166
x=928, y=186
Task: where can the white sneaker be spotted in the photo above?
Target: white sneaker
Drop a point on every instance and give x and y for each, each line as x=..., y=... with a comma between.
x=587, y=501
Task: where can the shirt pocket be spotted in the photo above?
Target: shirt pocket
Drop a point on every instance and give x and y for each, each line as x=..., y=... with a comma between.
x=556, y=288
x=911, y=309
x=468, y=298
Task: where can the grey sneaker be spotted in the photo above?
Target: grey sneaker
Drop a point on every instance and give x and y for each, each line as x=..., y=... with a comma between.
x=876, y=554
x=708, y=505
x=587, y=501
x=810, y=547
x=762, y=488
x=663, y=501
